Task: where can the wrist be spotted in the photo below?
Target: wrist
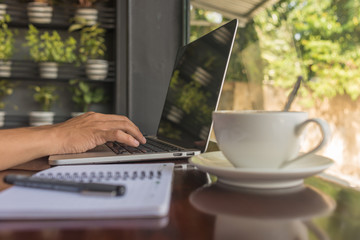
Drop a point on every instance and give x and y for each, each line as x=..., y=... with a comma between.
x=46, y=138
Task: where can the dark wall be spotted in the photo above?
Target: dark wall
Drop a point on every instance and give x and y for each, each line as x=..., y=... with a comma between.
x=155, y=32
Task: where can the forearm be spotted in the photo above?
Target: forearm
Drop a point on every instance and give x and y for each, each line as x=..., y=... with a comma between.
x=21, y=145
x=76, y=135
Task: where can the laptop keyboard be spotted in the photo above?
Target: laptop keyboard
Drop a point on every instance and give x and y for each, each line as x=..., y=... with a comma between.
x=151, y=146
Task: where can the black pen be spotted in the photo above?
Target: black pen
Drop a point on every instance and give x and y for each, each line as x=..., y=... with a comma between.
x=68, y=186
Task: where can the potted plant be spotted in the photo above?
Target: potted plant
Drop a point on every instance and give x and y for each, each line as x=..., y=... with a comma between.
x=91, y=48
x=86, y=13
x=6, y=89
x=6, y=46
x=46, y=97
x=40, y=11
x=3, y=7
x=83, y=95
x=49, y=50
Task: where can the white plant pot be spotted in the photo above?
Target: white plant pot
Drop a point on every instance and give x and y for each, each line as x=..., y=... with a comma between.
x=40, y=118
x=39, y=12
x=5, y=68
x=90, y=15
x=76, y=114
x=48, y=70
x=3, y=8
x=175, y=114
x=2, y=118
x=97, y=69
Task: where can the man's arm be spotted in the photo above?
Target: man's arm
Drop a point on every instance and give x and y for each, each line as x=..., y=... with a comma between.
x=73, y=136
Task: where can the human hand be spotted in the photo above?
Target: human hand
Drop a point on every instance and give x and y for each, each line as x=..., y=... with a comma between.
x=91, y=129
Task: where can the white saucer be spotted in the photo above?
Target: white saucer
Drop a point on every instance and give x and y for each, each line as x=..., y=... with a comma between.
x=216, y=164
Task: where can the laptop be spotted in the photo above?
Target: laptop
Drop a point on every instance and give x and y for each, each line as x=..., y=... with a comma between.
x=186, y=120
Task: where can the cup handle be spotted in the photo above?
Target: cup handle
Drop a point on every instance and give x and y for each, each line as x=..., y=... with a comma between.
x=325, y=132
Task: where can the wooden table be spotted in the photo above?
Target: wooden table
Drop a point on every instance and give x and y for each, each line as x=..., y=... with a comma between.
x=199, y=210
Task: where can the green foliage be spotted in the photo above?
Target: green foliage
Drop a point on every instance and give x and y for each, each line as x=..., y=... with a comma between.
x=166, y=129
x=45, y=96
x=318, y=39
x=6, y=89
x=92, y=41
x=49, y=47
x=192, y=98
x=197, y=31
x=84, y=94
x=6, y=39
x=246, y=47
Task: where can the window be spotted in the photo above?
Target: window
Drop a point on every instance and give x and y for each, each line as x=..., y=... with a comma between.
x=318, y=40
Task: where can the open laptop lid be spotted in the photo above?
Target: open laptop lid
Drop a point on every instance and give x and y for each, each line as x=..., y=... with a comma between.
x=195, y=87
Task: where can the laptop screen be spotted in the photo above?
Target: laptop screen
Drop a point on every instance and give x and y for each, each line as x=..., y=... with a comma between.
x=195, y=88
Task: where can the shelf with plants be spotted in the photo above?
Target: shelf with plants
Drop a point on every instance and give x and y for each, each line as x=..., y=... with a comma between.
x=85, y=94
x=60, y=79
x=76, y=47
x=6, y=46
x=58, y=14
x=46, y=96
x=57, y=59
x=92, y=49
x=49, y=50
x=6, y=89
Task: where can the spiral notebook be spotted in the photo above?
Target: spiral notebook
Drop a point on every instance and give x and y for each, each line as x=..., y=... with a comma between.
x=148, y=192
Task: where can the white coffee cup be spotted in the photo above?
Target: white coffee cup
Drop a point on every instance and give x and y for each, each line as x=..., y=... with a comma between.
x=264, y=139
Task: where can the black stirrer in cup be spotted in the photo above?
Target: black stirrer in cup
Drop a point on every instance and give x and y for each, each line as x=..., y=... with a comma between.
x=293, y=94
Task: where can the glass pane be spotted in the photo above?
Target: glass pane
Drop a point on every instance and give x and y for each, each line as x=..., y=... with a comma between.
x=315, y=39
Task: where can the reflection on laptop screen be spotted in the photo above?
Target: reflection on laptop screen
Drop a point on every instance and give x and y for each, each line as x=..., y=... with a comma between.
x=195, y=88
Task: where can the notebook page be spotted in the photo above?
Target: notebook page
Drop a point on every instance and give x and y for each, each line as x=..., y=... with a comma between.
x=148, y=192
